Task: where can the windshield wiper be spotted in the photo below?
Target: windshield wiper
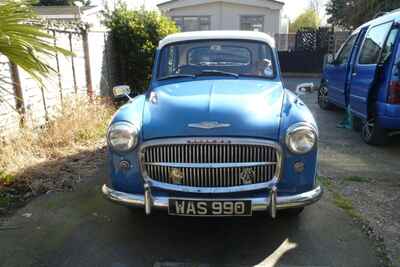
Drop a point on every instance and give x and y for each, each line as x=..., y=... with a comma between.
x=217, y=73
x=173, y=76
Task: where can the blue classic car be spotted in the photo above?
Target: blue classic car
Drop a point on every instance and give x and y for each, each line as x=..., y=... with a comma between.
x=364, y=77
x=216, y=134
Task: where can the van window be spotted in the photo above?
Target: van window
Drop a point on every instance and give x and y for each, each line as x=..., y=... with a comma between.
x=373, y=44
x=389, y=46
x=345, y=52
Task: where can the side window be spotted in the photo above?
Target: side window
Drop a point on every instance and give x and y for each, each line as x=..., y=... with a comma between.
x=172, y=59
x=344, y=54
x=373, y=44
x=389, y=45
x=169, y=56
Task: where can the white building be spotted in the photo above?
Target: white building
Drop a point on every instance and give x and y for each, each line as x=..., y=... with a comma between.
x=253, y=15
x=88, y=14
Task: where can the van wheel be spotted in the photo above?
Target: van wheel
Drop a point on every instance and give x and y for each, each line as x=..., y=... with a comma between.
x=323, y=98
x=357, y=124
x=372, y=134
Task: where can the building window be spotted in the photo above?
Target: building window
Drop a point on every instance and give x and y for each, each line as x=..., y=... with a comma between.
x=252, y=23
x=193, y=23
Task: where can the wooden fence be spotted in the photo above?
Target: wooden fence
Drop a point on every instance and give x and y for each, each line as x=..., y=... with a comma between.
x=304, y=51
x=88, y=72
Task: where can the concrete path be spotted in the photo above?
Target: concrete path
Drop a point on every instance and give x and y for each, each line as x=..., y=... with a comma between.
x=82, y=229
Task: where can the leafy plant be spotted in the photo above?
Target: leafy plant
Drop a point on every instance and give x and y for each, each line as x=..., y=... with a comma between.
x=308, y=19
x=351, y=14
x=6, y=178
x=24, y=41
x=135, y=35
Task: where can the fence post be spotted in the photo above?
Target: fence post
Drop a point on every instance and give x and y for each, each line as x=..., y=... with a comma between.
x=46, y=113
x=85, y=42
x=19, y=98
x=72, y=63
x=58, y=69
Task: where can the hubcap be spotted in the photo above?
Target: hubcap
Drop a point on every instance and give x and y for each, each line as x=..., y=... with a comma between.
x=368, y=128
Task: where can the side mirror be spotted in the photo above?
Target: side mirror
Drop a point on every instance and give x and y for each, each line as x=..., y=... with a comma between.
x=330, y=59
x=121, y=91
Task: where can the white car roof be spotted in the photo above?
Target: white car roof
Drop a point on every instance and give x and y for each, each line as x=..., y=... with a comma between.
x=220, y=35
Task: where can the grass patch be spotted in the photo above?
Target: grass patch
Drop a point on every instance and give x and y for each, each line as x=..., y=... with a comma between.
x=338, y=199
x=42, y=159
x=5, y=201
x=324, y=181
x=357, y=179
x=346, y=205
x=5, y=178
x=78, y=124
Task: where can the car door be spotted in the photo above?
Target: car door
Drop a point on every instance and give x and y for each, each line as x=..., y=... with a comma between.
x=336, y=73
x=364, y=71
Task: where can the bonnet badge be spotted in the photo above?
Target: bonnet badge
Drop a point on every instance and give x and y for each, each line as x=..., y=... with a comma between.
x=209, y=125
x=247, y=176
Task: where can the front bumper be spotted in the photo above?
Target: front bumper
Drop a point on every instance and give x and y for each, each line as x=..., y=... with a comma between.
x=270, y=203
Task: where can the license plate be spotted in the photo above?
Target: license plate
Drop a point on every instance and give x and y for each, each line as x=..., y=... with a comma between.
x=188, y=207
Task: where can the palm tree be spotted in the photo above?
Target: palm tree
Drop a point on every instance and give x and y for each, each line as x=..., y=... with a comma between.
x=23, y=39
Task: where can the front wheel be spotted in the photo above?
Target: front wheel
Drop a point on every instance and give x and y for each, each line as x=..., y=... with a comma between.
x=372, y=134
x=323, y=98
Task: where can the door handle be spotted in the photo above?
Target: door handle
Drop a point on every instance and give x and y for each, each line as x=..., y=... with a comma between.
x=354, y=74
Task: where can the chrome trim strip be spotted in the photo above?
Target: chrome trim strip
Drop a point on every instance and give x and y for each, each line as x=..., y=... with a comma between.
x=258, y=204
x=232, y=189
x=211, y=140
x=210, y=165
x=272, y=202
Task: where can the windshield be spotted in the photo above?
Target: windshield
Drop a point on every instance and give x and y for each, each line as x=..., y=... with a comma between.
x=216, y=58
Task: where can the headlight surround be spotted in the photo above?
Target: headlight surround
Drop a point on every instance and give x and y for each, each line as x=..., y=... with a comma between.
x=301, y=138
x=122, y=136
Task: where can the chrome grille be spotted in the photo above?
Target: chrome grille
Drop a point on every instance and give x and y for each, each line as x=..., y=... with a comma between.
x=212, y=163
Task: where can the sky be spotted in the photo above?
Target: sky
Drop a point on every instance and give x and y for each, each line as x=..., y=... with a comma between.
x=292, y=8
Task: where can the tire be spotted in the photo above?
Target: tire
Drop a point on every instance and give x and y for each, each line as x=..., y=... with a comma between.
x=357, y=124
x=291, y=212
x=323, y=98
x=372, y=134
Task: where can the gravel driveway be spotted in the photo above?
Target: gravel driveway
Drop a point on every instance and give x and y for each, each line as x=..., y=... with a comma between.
x=80, y=228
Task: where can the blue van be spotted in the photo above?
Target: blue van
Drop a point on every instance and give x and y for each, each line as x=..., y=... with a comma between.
x=364, y=77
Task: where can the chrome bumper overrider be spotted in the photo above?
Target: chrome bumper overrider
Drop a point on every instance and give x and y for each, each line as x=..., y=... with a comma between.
x=270, y=203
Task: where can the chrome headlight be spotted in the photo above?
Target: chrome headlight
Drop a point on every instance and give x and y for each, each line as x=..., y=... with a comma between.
x=122, y=136
x=301, y=138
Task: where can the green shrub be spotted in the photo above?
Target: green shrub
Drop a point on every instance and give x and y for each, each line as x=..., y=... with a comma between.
x=135, y=36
